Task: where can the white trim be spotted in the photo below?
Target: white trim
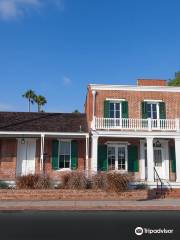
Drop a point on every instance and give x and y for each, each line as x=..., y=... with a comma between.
x=131, y=134
x=116, y=99
x=64, y=140
x=134, y=88
x=152, y=100
x=116, y=145
x=44, y=133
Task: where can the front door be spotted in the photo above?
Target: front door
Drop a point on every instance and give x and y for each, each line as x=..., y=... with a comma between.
x=159, y=162
x=26, y=157
x=117, y=157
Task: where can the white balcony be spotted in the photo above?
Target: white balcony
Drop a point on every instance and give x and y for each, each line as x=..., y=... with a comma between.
x=136, y=124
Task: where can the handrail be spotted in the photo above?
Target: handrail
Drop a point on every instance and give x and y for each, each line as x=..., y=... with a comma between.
x=136, y=124
x=158, y=179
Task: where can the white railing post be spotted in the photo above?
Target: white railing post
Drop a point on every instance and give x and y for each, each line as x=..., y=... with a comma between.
x=149, y=124
x=177, y=124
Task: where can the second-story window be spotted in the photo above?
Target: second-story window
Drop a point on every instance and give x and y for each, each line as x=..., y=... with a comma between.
x=153, y=110
x=115, y=109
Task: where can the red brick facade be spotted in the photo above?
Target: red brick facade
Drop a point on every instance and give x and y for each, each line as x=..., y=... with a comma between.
x=134, y=99
x=8, y=157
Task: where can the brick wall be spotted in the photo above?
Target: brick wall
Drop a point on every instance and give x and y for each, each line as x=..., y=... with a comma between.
x=8, y=156
x=8, y=149
x=134, y=102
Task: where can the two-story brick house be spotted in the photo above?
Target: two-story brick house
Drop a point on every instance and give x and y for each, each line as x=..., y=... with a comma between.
x=135, y=129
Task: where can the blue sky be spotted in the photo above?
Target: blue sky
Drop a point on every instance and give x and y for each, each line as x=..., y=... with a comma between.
x=57, y=47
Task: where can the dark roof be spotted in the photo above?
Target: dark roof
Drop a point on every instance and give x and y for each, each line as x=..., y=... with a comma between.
x=43, y=122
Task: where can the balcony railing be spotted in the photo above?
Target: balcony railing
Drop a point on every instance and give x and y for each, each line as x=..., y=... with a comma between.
x=136, y=124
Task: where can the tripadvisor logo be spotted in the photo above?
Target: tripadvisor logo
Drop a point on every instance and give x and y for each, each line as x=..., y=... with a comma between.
x=139, y=231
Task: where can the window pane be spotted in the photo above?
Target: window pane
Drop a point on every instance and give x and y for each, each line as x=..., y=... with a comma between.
x=158, y=157
x=61, y=161
x=111, y=106
x=117, y=106
x=148, y=107
x=154, y=107
x=64, y=148
x=112, y=114
x=117, y=114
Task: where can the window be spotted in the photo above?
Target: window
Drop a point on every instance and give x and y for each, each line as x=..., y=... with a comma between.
x=158, y=157
x=153, y=110
x=117, y=157
x=64, y=154
x=115, y=109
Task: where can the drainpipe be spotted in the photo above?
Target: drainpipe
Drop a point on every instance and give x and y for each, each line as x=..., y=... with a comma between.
x=94, y=106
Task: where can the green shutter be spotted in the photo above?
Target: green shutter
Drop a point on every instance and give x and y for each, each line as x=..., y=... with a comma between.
x=55, y=157
x=133, y=165
x=102, y=157
x=162, y=110
x=124, y=109
x=106, y=109
x=144, y=110
x=74, y=154
x=173, y=158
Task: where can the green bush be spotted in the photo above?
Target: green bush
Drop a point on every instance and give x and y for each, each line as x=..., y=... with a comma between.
x=33, y=181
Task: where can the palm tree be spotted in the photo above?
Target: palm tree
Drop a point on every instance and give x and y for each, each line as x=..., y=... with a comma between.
x=29, y=94
x=40, y=101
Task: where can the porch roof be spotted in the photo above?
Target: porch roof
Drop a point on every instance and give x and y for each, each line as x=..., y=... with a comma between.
x=43, y=122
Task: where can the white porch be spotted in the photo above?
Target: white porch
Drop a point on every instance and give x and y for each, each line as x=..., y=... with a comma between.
x=148, y=155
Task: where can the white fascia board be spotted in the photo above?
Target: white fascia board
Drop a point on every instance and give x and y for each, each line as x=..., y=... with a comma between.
x=133, y=134
x=134, y=88
x=45, y=133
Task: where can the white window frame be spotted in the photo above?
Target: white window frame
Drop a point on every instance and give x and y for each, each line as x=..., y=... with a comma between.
x=125, y=145
x=120, y=108
x=64, y=140
x=157, y=107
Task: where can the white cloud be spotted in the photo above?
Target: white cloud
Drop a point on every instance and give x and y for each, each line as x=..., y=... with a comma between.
x=12, y=9
x=66, y=81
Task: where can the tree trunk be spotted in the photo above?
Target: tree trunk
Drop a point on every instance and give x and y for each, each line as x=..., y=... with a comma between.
x=39, y=107
x=29, y=105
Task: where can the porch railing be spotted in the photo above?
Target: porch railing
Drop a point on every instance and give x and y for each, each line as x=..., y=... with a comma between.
x=137, y=124
x=158, y=181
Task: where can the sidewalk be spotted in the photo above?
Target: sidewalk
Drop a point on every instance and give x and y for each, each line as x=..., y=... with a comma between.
x=149, y=205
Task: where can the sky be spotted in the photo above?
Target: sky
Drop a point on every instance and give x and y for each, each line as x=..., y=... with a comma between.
x=58, y=47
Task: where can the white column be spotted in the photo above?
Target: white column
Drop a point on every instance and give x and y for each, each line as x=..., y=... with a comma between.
x=177, y=152
x=142, y=160
x=42, y=153
x=150, y=159
x=166, y=158
x=94, y=153
x=87, y=153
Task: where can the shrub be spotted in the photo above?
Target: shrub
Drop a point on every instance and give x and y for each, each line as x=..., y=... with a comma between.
x=99, y=181
x=117, y=182
x=33, y=181
x=74, y=180
x=111, y=181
